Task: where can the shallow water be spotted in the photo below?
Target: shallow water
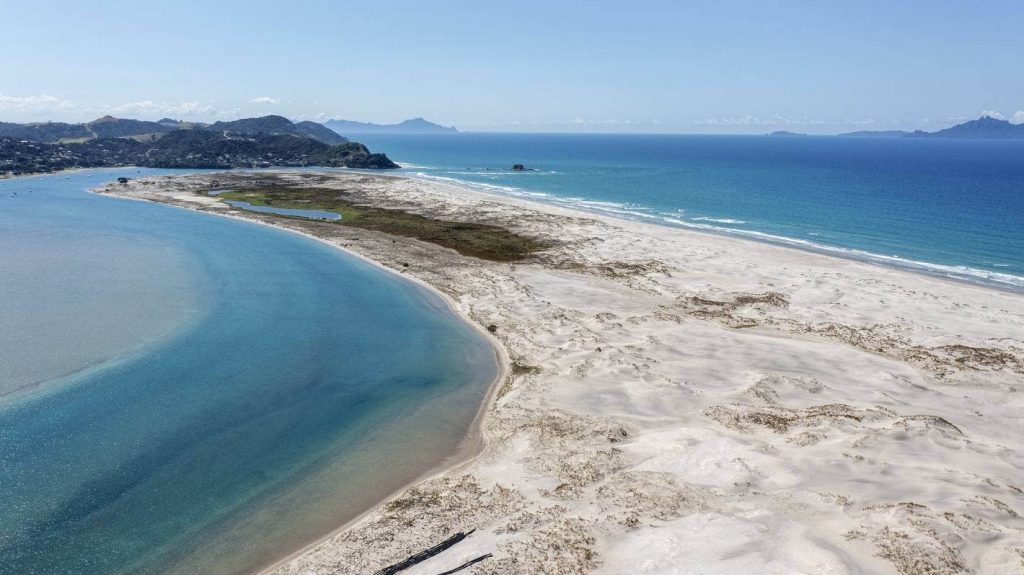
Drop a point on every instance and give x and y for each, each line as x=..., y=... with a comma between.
x=312, y=214
x=947, y=207
x=248, y=389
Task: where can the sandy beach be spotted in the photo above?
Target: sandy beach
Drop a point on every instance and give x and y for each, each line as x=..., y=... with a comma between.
x=679, y=402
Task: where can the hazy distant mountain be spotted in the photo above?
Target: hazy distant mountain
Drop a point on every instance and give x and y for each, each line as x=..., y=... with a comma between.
x=877, y=134
x=413, y=126
x=985, y=127
x=785, y=133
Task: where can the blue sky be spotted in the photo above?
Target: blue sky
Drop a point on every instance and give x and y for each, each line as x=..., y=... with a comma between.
x=693, y=67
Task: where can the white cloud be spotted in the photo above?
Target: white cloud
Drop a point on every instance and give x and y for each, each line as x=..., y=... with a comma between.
x=993, y=114
x=39, y=103
x=265, y=100
x=747, y=120
x=149, y=107
x=1018, y=118
x=189, y=109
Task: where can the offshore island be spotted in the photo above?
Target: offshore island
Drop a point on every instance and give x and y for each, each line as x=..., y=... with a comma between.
x=673, y=399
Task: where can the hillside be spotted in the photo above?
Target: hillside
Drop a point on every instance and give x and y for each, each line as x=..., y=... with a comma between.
x=252, y=142
x=111, y=127
x=413, y=126
x=45, y=132
x=278, y=125
x=210, y=149
x=320, y=132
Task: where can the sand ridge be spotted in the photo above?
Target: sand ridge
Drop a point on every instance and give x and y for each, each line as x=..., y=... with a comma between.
x=681, y=402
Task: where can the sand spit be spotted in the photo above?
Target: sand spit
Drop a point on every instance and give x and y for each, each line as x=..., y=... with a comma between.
x=687, y=403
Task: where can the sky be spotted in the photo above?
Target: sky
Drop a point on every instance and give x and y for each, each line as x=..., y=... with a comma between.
x=535, y=66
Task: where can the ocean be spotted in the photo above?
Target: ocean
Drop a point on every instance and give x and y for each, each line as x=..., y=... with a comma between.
x=953, y=208
x=185, y=393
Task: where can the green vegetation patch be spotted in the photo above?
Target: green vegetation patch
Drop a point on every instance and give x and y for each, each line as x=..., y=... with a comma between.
x=482, y=241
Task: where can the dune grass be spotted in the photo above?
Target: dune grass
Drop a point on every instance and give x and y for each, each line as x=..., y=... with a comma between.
x=482, y=241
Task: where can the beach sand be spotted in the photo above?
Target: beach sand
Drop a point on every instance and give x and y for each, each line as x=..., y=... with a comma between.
x=679, y=402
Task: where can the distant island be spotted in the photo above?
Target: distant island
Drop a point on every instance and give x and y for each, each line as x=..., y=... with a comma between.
x=877, y=134
x=785, y=133
x=413, y=126
x=984, y=128
x=268, y=141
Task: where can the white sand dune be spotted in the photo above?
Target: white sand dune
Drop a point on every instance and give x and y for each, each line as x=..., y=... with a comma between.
x=688, y=403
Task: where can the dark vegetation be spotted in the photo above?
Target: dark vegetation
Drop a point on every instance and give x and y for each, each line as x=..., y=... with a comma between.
x=210, y=149
x=277, y=125
x=48, y=132
x=109, y=142
x=477, y=240
x=110, y=127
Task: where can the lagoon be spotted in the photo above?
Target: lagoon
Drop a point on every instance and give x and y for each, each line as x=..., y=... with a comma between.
x=311, y=214
x=208, y=394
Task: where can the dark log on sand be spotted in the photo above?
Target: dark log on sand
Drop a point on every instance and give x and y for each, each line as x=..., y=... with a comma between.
x=466, y=565
x=426, y=554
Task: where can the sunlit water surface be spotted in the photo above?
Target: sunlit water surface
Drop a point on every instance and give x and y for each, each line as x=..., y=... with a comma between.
x=186, y=393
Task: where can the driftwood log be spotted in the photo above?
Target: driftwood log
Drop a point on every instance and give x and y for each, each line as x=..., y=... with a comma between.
x=428, y=553
x=466, y=565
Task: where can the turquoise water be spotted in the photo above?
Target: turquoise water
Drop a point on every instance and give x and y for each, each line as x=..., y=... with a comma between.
x=312, y=214
x=948, y=207
x=247, y=390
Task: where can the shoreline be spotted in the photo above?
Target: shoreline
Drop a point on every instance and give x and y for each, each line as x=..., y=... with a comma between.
x=921, y=267
x=475, y=441
x=632, y=345
x=67, y=171
x=914, y=267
